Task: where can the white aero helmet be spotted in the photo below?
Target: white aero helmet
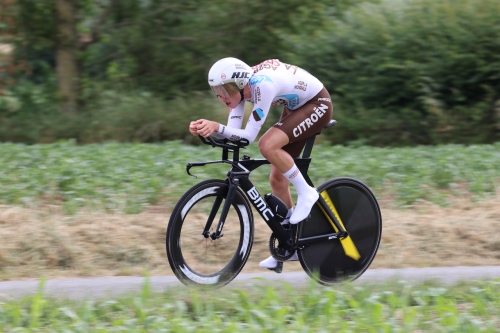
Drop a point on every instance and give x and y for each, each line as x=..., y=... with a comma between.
x=228, y=76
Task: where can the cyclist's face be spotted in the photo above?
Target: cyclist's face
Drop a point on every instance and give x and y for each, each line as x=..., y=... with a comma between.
x=231, y=101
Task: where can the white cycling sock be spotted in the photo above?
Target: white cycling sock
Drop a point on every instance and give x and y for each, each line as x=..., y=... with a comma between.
x=307, y=195
x=287, y=218
x=295, y=177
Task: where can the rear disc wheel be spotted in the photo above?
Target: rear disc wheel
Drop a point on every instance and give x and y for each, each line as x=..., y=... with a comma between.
x=326, y=261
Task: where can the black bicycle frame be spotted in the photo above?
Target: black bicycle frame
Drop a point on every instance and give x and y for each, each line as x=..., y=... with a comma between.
x=238, y=176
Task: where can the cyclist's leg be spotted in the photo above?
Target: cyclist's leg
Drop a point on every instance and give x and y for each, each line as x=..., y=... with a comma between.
x=298, y=125
x=280, y=188
x=272, y=139
x=270, y=145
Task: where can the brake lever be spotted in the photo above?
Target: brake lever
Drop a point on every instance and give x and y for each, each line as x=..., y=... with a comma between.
x=188, y=167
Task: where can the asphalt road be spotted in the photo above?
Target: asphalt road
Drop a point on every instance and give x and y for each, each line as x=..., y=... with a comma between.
x=101, y=288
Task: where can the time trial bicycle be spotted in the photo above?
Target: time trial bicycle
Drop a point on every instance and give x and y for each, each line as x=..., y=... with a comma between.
x=210, y=232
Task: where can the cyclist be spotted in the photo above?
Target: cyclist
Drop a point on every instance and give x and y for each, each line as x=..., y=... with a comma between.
x=307, y=109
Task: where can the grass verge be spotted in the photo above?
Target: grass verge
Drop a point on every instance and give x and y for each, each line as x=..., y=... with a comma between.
x=395, y=306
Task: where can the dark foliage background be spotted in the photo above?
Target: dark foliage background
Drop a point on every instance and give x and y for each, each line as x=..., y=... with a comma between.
x=400, y=72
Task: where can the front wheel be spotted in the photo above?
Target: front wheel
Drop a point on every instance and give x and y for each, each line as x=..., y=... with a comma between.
x=197, y=259
x=327, y=262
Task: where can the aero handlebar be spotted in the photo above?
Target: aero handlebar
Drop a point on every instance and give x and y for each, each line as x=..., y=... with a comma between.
x=224, y=143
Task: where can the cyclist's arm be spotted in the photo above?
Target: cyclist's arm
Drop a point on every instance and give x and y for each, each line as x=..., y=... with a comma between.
x=256, y=119
x=234, y=120
x=235, y=117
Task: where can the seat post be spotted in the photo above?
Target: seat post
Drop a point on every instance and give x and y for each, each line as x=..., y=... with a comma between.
x=306, y=153
x=310, y=141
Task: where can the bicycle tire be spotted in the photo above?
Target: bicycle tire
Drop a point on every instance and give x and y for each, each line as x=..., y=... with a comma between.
x=326, y=262
x=204, y=262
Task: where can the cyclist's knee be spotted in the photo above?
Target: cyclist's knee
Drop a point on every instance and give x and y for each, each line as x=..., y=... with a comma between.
x=271, y=142
x=266, y=147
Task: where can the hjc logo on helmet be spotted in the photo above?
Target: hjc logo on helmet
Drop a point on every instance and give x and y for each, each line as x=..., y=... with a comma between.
x=240, y=75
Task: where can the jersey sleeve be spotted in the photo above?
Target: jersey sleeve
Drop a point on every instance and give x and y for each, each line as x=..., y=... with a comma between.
x=235, y=117
x=234, y=122
x=257, y=118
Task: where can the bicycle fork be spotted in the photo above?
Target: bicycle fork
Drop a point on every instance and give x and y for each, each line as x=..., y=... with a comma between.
x=213, y=212
x=225, y=210
x=285, y=236
x=234, y=182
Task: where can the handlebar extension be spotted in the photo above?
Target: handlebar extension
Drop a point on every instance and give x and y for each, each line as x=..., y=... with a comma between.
x=224, y=143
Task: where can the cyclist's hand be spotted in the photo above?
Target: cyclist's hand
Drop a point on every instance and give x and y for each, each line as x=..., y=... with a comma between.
x=206, y=127
x=193, y=128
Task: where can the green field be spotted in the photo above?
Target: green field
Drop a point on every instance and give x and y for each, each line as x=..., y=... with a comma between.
x=129, y=177
x=396, y=306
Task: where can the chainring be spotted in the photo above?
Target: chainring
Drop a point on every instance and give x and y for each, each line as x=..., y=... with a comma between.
x=277, y=252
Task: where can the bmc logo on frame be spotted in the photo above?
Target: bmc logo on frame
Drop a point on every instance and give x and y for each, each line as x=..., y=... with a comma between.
x=259, y=203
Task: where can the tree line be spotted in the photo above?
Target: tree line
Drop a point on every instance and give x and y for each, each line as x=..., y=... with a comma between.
x=400, y=72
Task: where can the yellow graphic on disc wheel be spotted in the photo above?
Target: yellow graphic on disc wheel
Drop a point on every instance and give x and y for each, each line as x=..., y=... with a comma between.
x=347, y=243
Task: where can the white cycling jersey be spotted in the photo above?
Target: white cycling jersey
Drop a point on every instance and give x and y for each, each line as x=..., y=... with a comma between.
x=273, y=83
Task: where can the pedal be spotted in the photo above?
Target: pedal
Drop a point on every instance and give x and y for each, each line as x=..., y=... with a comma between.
x=279, y=267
